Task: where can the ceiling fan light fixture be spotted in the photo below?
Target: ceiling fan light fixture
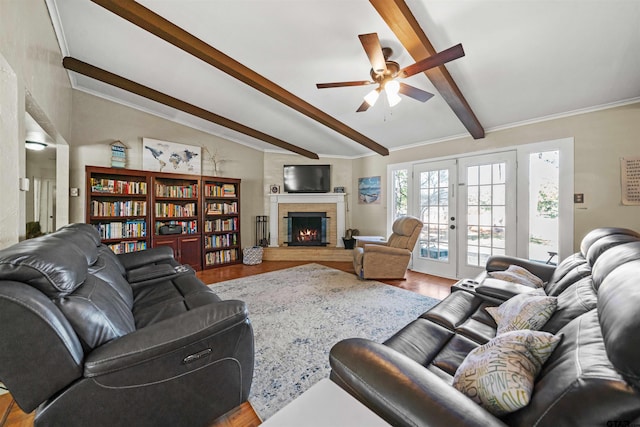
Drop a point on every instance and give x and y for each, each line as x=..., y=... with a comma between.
x=393, y=98
x=392, y=87
x=35, y=146
x=372, y=97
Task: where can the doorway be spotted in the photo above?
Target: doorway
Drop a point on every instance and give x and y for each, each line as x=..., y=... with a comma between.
x=516, y=202
x=467, y=206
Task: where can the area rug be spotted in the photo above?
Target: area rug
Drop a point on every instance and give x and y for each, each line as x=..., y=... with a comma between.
x=299, y=313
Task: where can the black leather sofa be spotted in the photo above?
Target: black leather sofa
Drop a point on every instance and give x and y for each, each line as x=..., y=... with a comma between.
x=90, y=338
x=591, y=378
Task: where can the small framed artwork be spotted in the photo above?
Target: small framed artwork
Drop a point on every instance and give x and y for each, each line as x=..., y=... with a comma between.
x=338, y=189
x=369, y=190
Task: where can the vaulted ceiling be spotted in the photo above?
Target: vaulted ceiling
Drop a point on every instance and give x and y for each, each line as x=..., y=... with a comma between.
x=246, y=70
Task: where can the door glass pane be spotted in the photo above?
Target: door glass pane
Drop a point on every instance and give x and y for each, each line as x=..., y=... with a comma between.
x=400, y=191
x=544, y=181
x=486, y=212
x=434, y=212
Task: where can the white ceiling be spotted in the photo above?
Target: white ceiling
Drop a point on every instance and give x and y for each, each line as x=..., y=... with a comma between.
x=525, y=60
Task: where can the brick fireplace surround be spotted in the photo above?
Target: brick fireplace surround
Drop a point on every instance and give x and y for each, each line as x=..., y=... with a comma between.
x=331, y=203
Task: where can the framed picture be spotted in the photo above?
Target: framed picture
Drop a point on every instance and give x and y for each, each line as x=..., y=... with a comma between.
x=369, y=190
x=171, y=157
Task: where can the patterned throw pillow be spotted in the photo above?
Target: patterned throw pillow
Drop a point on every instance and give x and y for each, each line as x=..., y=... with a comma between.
x=500, y=374
x=524, y=311
x=517, y=274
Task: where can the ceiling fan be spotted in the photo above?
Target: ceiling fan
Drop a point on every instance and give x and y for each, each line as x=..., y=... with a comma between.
x=384, y=72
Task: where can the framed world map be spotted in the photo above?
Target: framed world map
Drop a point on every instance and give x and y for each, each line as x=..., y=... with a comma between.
x=170, y=157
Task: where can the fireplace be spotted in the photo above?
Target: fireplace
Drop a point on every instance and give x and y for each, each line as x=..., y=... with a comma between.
x=333, y=204
x=307, y=228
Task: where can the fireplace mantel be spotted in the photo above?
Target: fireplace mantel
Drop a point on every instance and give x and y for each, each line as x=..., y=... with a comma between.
x=306, y=198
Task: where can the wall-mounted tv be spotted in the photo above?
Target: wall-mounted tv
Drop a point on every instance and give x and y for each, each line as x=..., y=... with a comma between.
x=307, y=178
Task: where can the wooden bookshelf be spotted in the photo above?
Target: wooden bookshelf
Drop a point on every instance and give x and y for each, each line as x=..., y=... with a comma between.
x=134, y=210
x=221, y=221
x=175, y=202
x=117, y=204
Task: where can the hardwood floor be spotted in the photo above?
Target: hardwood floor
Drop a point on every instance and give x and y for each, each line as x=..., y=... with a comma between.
x=244, y=415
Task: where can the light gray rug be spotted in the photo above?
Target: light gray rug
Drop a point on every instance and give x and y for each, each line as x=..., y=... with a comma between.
x=299, y=313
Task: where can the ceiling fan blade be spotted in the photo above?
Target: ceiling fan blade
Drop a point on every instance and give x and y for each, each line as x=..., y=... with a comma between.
x=363, y=107
x=438, y=59
x=343, y=84
x=415, y=93
x=371, y=45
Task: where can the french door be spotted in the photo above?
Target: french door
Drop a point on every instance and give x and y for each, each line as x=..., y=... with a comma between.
x=435, y=184
x=487, y=196
x=468, y=207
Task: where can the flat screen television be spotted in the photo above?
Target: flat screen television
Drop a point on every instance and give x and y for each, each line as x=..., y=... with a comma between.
x=307, y=178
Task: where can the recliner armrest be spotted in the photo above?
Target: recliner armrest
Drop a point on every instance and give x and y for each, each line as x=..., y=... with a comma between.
x=148, y=256
x=502, y=262
x=501, y=289
x=388, y=250
x=166, y=337
x=399, y=389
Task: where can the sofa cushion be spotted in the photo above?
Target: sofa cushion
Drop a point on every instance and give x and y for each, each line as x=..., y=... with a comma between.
x=618, y=302
x=53, y=266
x=97, y=313
x=164, y=298
x=517, y=274
x=578, y=384
x=85, y=242
x=524, y=311
x=500, y=374
x=104, y=268
x=576, y=300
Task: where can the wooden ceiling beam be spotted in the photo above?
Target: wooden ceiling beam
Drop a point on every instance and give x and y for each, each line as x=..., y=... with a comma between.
x=171, y=33
x=125, y=84
x=399, y=18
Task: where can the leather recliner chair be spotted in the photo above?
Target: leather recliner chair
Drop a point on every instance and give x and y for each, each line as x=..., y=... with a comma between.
x=390, y=259
x=90, y=338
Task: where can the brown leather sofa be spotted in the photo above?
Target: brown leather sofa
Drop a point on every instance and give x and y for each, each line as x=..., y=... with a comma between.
x=388, y=260
x=90, y=338
x=592, y=378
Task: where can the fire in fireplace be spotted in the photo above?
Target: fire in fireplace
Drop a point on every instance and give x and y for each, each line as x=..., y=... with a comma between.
x=307, y=228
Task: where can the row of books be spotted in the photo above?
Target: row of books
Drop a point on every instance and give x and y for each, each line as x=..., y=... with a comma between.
x=118, y=230
x=221, y=257
x=229, y=224
x=126, y=247
x=220, y=241
x=216, y=190
x=173, y=210
x=113, y=186
x=222, y=208
x=188, y=227
x=120, y=208
x=184, y=191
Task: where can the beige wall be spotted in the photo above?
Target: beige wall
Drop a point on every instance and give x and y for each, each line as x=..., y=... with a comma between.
x=98, y=122
x=31, y=77
x=600, y=139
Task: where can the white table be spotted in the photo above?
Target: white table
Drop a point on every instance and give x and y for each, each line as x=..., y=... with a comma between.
x=325, y=404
